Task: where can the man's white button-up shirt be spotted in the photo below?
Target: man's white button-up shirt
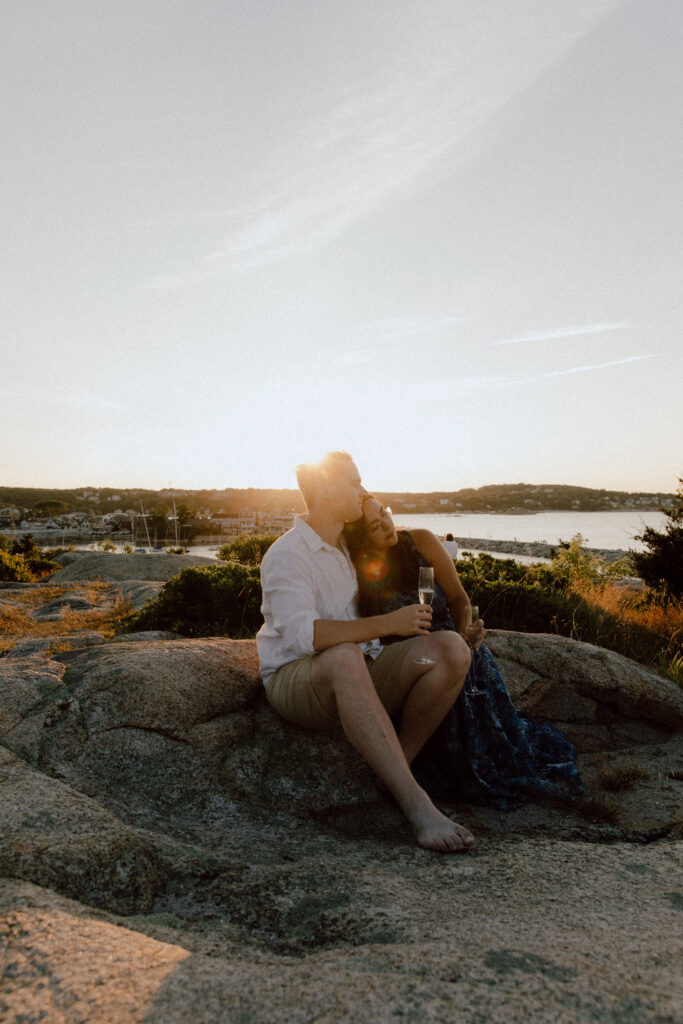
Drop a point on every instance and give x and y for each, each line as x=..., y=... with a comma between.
x=303, y=579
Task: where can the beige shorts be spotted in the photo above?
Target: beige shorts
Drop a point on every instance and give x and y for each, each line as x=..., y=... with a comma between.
x=290, y=690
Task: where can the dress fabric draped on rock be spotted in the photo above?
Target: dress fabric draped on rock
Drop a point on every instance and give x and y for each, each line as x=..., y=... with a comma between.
x=484, y=751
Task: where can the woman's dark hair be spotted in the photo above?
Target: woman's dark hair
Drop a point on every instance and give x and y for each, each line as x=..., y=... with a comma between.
x=356, y=537
x=394, y=572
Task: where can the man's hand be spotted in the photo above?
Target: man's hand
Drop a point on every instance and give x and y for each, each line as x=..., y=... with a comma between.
x=411, y=620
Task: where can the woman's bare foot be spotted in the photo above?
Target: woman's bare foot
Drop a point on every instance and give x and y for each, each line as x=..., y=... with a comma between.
x=434, y=831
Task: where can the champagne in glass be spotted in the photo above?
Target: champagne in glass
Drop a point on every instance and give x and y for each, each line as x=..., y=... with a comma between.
x=469, y=630
x=473, y=689
x=425, y=586
x=425, y=591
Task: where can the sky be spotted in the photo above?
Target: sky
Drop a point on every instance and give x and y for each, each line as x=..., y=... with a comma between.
x=442, y=235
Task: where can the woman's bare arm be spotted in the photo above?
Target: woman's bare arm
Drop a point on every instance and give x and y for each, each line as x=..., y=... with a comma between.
x=445, y=574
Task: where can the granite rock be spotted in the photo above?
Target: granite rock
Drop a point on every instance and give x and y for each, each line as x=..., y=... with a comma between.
x=107, y=566
x=173, y=851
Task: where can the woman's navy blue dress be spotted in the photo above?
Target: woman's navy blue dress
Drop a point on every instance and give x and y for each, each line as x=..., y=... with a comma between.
x=485, y=751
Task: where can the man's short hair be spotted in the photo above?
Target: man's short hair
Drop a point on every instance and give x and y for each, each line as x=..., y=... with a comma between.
x=311, y=476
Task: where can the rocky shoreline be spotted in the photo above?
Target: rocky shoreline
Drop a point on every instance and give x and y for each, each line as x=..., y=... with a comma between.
x=534, y=549
x=172, y=852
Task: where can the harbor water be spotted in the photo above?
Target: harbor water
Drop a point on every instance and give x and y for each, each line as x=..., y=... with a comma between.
x=615, y=530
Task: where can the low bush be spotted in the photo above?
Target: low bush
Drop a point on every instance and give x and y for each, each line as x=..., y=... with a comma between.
x=221, y=600
x=247, y=548
x=580, y=604
x=14, y=568
x=18, y=568
x=661, y=565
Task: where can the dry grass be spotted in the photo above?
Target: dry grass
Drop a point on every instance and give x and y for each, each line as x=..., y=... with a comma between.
x=597, y=807
x=620, y=777
x=36, y=595
x=674, y=669
x=663, y=620
x=60, y=646
x=15, y=620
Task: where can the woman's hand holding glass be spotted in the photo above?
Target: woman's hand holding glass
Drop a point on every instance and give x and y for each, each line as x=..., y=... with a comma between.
x=474, y=631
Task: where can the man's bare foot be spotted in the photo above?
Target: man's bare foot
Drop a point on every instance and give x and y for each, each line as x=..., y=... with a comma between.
x=434, y=831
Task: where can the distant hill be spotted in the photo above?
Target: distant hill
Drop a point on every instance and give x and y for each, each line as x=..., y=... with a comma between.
x=491, y=498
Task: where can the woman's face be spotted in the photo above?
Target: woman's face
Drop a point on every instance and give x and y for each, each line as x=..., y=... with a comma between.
x=380, y=529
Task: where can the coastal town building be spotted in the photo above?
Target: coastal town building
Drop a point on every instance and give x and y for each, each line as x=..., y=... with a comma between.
x=249, y=521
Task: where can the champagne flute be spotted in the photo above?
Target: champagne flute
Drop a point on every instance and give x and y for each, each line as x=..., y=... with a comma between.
x=475, y=619
x=425, y=592
x=469, y=632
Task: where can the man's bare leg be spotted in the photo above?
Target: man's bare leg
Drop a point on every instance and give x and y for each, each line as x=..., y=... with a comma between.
x=343, y=684
x=430, y=692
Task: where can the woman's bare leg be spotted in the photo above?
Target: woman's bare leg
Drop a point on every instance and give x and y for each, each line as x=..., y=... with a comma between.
x=430, y=693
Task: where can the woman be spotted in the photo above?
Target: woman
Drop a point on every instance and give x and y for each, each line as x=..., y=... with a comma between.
x=484, y=751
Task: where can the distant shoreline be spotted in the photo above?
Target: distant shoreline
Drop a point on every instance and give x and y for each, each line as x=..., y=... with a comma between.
x=531, y=549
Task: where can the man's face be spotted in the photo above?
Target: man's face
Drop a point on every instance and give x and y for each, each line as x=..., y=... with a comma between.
x=347, y=493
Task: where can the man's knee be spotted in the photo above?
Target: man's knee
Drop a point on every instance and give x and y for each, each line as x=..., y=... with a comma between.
x=341, y=661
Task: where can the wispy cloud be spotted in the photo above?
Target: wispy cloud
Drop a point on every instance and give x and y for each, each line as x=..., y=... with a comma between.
x=581, y=369
x=381, y=140
x=555, y=333
x=443, y=386
x=358, y=156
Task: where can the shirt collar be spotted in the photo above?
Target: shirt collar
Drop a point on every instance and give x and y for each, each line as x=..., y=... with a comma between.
x=313, y=540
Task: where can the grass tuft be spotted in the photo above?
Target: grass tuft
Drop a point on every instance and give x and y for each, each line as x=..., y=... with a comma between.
x=597, y=807
x=621, y=777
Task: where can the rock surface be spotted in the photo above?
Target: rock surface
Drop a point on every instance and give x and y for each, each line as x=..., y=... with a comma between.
x=174, y=852
x=107, y=566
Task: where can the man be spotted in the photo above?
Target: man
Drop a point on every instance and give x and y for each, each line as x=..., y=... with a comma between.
x=323, y=666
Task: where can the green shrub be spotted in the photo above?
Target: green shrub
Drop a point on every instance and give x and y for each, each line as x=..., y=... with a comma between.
x=18, y=568
x=661, y=566
x=221, y=600
x=14, y=568
x=106, y=545
x=42, y=566
x=539, y=599
x=247, y=548
x=573, y=565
